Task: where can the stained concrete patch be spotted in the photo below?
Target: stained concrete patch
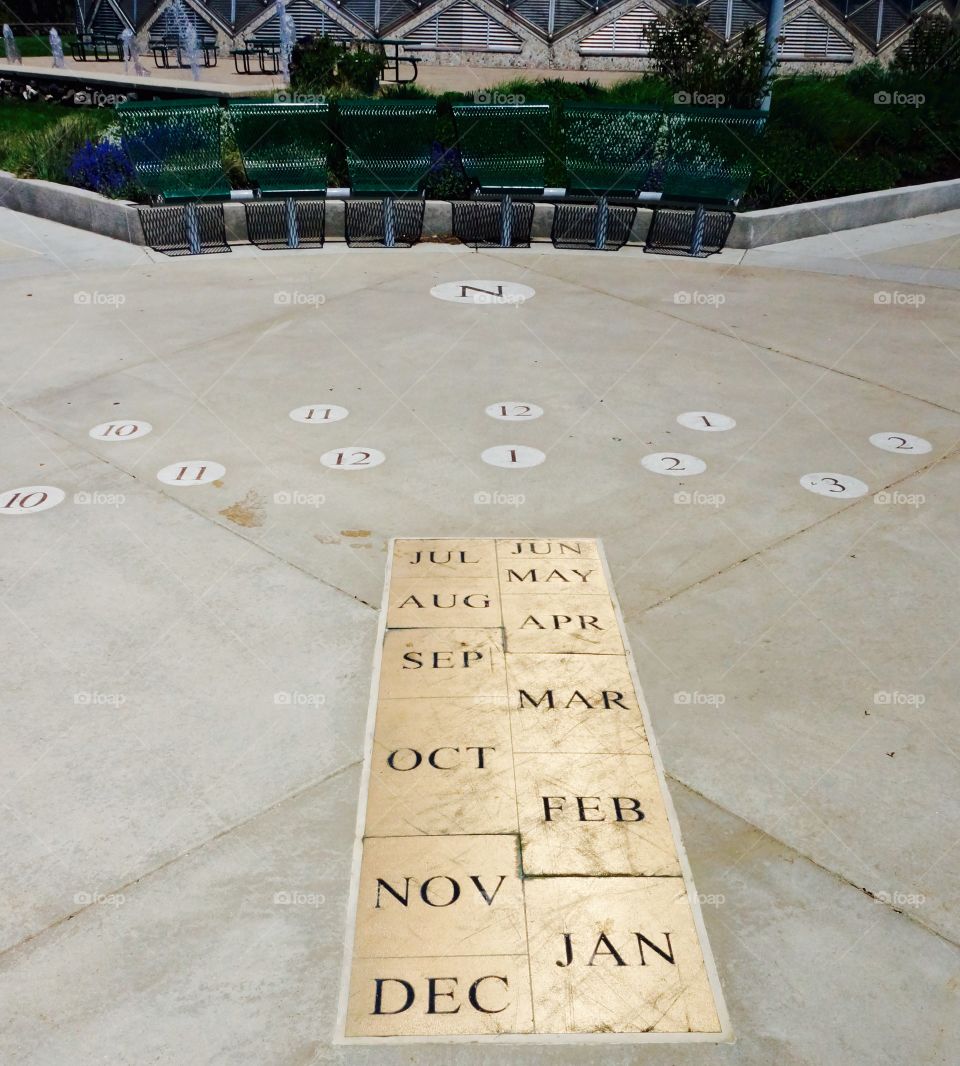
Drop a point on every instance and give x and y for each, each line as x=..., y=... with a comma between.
x=249, y=512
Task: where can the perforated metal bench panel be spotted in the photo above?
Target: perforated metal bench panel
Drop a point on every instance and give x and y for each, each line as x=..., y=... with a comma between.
x=480, y=223
x=273, y=224
x=610, y=149
x=185, y=229
x=504, y=147
x=693, y=231
x=388, y=222
x=710, y=153
x=583, y=226
x=388, y=144
x=285, y=146
x=175, y=148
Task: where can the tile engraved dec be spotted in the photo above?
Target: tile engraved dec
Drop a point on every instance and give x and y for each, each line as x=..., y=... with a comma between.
x=520, y=873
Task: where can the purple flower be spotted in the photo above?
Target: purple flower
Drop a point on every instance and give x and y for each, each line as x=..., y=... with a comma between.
x=101, y=167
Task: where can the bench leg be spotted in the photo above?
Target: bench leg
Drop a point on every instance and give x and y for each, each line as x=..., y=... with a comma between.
x=192, y=223
x=699, y=225
x=389, y=223
x=293, y=233
x=506, y=222
x=600, y=224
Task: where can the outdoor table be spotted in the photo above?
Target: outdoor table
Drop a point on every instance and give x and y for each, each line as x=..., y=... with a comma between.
x=163, y=46
x=271, y=52
x=241, y=58
x=265, y=51
x=98, y=46
x=392, y=59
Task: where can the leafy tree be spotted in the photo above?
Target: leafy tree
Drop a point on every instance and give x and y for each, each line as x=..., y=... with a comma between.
x=699, y=67
x=320, y=65
x=931, y=51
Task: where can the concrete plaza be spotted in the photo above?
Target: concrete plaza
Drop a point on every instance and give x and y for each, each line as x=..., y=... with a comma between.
x=187, y=668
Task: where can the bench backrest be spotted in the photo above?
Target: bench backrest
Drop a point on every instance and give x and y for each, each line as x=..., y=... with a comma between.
x=710, y=153
x=610, y=148
x=175, y=147
x=284, y=146
x=504, y=146
x=388, y=143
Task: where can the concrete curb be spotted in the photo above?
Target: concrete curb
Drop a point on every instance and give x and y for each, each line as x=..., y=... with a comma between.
x=751, y=229
x=115, y=83
x=73, y=207
x=754, y=229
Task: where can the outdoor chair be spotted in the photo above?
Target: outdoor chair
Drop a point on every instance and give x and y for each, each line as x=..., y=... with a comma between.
x=175, y=149
x=708, y=159
x=503, y=148
x=388, y=147
x=285, y=149
x=609, y=153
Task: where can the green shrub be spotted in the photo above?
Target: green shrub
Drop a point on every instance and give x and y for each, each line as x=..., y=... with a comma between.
x=823, y=110
x=651, y=90
x=46, y=153
x=405, y=91
x=868, y=129
x=931, y=51
x=696, y=64
x=17, y=118
x=313, y=64
x=786, y=175
x=360, y=70
x=448, y=183
x=320, y=66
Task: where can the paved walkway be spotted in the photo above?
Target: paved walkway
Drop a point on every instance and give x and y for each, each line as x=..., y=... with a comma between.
x=224, y=79
x=918, y=251
x=187, y=669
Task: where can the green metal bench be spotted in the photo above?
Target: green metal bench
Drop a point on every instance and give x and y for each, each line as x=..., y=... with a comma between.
x=707, y=163
x=285, y=147
x=504, y=146
x=710, y=152
x=388, y=147
x=175, y=148
x=388, y=144
x=504, y=150
x=609, y=151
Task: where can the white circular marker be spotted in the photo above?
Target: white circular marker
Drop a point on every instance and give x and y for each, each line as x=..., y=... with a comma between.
x=352, y=458
x=120, y=430
x=29, y=499
x=673, y=464
x=482, y=292
x=706, y=421
x=191, y=472
x=839, y=486
x=512, y=455
x=514, y=411
x=318, y=413
x=904, y=443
